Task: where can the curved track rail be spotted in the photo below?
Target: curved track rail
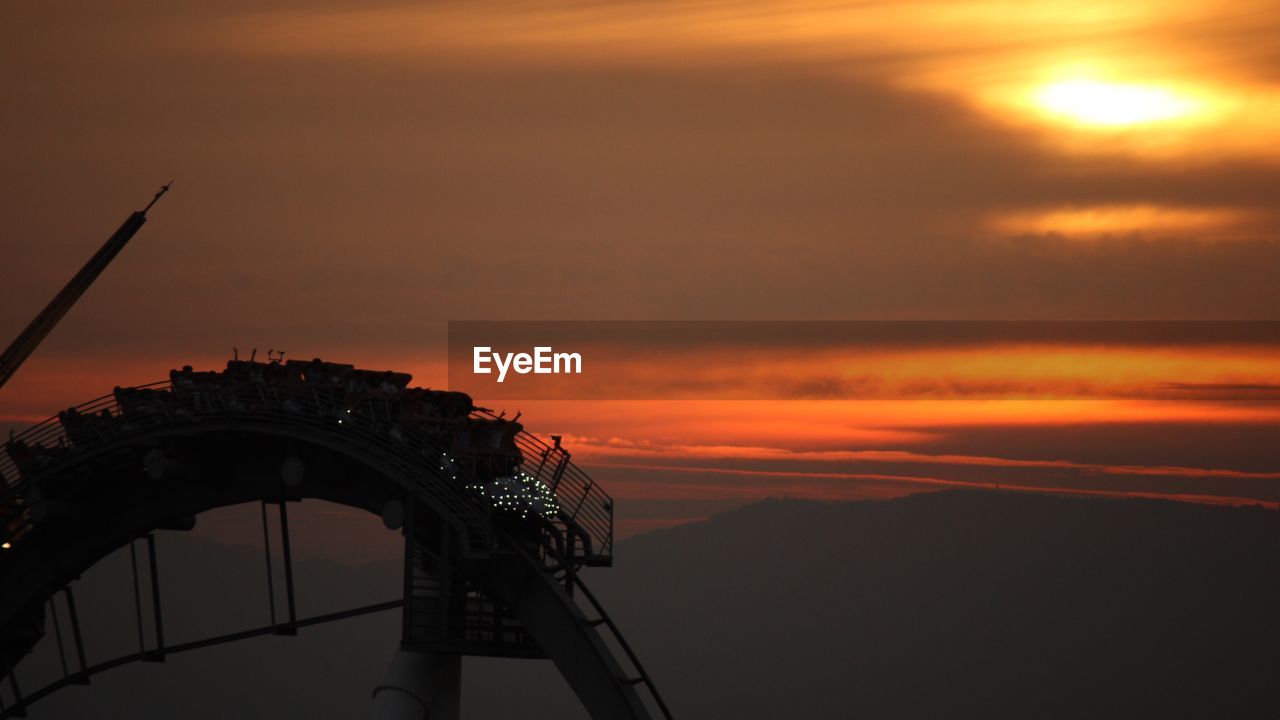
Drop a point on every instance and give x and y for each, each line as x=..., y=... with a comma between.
x=111, y=471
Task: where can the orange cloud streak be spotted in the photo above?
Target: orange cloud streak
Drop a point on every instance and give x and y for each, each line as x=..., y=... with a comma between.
x=823, y=492
x=593, y=453
x=1061, y=67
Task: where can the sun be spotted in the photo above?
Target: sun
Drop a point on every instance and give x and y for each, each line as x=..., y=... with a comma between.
x=1112, y=105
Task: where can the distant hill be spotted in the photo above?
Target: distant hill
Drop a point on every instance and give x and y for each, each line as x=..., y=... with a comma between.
x=951, y=604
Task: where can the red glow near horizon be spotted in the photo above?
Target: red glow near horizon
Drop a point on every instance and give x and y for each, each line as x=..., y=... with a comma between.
x=840, y=449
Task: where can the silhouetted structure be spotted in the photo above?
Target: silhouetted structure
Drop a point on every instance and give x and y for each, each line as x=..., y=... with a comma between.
x=497, y=524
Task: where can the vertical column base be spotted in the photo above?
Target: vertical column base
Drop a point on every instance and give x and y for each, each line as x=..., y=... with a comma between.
x=420, y=686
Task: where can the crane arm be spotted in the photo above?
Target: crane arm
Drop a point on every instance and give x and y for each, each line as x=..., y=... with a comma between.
x=31, y=337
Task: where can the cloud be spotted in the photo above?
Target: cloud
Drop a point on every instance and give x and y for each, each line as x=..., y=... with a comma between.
x=343, y=202
x=995, y=56
x=617, y=450
x=818, y=485
x=351, y=177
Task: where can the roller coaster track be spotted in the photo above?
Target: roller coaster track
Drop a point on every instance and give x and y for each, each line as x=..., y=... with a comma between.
x=108, y=473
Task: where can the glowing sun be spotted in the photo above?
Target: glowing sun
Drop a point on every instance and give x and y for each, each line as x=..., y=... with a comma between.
x=1105, y=104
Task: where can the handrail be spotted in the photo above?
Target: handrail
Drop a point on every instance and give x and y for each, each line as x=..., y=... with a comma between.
x=585, y=510
x=626, y=647
x=584, y=506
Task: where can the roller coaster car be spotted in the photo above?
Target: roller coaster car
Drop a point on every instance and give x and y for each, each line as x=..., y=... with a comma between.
x=256, y=373
x=318, y=373
x=376, y=383
x=375, y=394
x=25, y=457
x=490, y=445
x=325, y=381
x=194, y=389
x=419, y=405
x=245, y=384
x=31, y=459
x=141, y=403
x=243, y=370
x=85, y=429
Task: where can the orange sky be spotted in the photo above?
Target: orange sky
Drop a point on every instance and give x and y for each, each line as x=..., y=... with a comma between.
x=350, y=176
x=672, y=460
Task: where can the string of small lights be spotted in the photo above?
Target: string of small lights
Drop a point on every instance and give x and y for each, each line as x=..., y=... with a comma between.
x=520, y=494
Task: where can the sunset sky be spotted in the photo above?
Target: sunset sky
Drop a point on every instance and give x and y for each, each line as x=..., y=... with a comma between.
x=350, y=176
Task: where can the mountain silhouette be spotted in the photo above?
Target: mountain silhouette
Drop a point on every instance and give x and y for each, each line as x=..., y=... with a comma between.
x=956, y=604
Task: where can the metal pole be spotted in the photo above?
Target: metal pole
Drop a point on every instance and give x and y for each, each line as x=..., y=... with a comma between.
x=158, y=656
x=266, y=546
x=446, y=587
x=137, y=596
x=410, y=527
x=57, y=633
x=288, y=565
x=19, y=709
x=83, y=676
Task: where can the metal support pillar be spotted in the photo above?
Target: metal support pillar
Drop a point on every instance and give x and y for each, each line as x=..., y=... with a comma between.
x=289, y=627
x=57, y=635
x=19, y=706
x=446, y=585
x=82, y=677
x=156, y=655
x=420, y=686
x=137, y=597
x=410, y=527
x=288, y=569
x=266, y=547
